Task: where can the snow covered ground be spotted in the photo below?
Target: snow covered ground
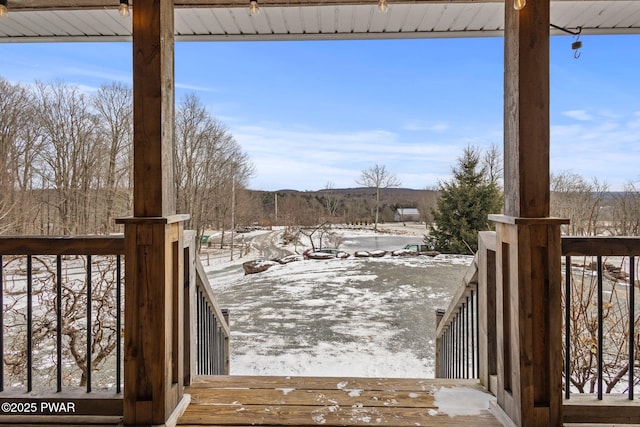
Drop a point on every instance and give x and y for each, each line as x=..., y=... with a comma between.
x=372, y=317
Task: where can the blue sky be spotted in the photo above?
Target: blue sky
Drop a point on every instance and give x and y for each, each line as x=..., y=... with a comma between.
x=312, y=113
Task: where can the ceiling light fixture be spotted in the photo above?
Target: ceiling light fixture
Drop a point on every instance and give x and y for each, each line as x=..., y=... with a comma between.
x=383, y=6
x=254, y=9
x=124, y=7
x=519, y=4
x=4, y=10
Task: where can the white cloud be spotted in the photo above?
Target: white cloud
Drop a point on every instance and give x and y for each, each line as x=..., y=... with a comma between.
x=427, y=127
x=195, y=88
x=607, y=149
x=306, y=159
x=581, y=115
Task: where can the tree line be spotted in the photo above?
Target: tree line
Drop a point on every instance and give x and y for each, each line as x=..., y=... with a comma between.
x=475, y=191
x=67, y=160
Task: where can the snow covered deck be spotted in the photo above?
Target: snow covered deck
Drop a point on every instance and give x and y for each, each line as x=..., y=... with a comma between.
x=335, y=401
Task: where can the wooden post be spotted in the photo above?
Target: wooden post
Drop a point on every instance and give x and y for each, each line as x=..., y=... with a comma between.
x=487, y=343
x=528, y=245
x=526, y=110
x=154, y=257
x=529, y=319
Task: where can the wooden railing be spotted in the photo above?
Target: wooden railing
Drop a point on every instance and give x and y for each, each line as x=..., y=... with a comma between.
x=601, y=318
x=61, y=327
x=206, y=325
x=601, y=326
x=465, y=336
x=61, y=320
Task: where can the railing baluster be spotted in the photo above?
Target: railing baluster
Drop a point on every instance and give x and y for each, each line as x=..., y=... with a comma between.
x=473, y=338
x=459, y=358
x=89, y=325
x=210, y=339
x=449, y=359
x=198, y=331
x=29, y=323
x=201, y=344
x=59, y=322
x=216, y=346
x=466, y=341
x=452, y=352
x=455, y=347
x=449, y=366
x=567, y=327
x=118, y=323
x=477, y=345
x=600, y=327
x=632, y=318
x=221, y=358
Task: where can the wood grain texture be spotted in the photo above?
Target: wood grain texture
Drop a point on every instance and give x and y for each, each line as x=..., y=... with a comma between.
x=62, y=245
x=331, y=401
x=605, y=246
x=153, y=108
x=611, y=410
x=153, y=313
x=526, y=110
x=529, y=322
x=487, y=343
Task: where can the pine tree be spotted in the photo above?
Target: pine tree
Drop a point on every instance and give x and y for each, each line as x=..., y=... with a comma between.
x=464, y=205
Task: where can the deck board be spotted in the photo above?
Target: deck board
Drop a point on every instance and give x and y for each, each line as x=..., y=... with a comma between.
x=332, y=401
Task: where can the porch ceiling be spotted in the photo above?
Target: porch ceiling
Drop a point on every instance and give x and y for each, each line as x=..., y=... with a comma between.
x=98, y=20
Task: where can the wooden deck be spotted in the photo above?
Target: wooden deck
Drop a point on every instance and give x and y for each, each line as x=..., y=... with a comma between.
x=330, y=401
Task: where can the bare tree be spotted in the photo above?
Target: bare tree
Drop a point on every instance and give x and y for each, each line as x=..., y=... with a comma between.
x=210, y=166
x=379, y=178
x=492, y=163
x=114, y=106
x=71, y=152
x=19, y=145
x=626, y=211
x=330, y=199
x=580, y=201
x=322, y=235
x=427, y=203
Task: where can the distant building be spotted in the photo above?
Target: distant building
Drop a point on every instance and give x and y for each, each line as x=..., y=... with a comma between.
x=407, y=215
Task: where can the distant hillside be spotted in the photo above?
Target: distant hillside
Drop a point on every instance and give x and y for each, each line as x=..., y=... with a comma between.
x=351, y=205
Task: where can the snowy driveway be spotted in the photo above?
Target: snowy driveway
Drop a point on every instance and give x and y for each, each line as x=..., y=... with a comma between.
x=371, y=317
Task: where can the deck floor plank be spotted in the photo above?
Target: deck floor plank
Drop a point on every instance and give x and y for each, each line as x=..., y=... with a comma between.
x=332, y=401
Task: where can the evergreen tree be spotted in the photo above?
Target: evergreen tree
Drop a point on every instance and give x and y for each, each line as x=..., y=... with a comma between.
x=464, y=205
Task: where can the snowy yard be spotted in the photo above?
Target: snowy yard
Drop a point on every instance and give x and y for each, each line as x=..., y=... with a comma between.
x=370, y=317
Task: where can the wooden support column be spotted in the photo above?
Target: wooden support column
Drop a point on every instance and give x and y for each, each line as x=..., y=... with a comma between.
x=153, y=320
x=528, y=244
x=526, y=110
x=154, y=257
x=529, y=319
